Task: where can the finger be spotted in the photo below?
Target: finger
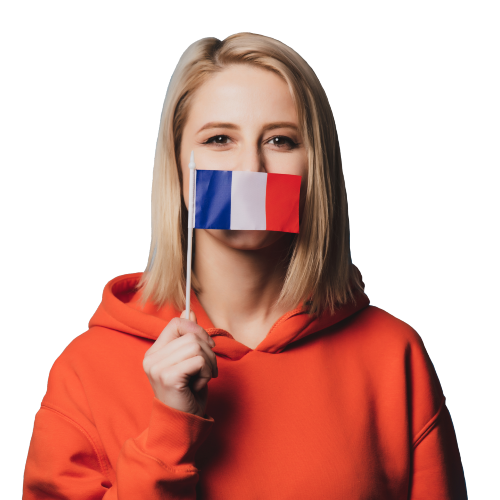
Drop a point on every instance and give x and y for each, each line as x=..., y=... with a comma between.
x=192, y=316
x=175, y=329
x=176, y=351
x=153, y=358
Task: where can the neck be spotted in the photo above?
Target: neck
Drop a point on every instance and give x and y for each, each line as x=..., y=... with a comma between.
x=239, y=288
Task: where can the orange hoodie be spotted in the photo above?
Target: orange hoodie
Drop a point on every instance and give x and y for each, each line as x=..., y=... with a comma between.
x=343, y=406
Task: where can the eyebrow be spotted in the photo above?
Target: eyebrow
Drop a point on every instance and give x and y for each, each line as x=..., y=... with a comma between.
x=232, y=126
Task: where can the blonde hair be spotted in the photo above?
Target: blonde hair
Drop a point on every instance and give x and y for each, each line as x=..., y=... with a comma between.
x=320, y=272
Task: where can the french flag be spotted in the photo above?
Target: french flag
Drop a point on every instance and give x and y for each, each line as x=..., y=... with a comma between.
x=246, y=200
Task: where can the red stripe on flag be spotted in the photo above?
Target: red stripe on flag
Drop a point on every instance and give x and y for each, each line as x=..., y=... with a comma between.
x=282, y=202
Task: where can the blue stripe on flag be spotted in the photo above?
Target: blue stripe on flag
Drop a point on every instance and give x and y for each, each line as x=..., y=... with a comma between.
x=213, y=199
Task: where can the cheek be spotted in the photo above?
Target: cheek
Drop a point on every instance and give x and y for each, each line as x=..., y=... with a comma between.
x=185, y=186
x=294, y=163
x=185, y=180
x=185, y=155
x=298, y=167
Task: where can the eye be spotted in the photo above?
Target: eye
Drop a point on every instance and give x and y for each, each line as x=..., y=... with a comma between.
x=218, y=139
x=282, y=142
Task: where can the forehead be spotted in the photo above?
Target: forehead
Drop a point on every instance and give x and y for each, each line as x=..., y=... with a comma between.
x=243, y=92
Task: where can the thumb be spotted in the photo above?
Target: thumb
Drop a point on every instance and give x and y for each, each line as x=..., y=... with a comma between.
x=192, y=316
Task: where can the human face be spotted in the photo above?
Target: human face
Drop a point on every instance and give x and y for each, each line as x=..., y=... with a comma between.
x=244, y=118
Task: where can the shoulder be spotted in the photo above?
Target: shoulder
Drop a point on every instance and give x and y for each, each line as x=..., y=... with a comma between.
x=390, y=348
x=93, y=361
x=82, y=354
x=396, y=351
x=383, y=334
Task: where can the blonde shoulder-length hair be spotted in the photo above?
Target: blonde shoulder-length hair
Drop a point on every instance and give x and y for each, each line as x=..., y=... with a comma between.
x=320, y=274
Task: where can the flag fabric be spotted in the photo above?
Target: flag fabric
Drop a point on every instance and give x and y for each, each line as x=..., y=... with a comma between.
x=226, y=199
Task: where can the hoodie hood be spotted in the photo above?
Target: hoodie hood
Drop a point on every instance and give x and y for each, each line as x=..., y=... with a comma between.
x=120, y=310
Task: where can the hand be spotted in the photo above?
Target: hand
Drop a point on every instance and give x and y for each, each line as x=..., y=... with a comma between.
x=179, y=365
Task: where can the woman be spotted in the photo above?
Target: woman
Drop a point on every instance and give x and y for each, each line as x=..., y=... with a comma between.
x=313, y=393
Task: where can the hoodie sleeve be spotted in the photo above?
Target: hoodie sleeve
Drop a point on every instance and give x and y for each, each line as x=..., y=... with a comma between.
x=436, y=471
x=437, y=468
x=65, y=461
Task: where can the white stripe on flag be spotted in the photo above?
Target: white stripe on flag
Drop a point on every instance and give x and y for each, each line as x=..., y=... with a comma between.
x=248, y=200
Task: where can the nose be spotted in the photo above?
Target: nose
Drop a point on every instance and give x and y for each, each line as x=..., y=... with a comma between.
x=250, y=159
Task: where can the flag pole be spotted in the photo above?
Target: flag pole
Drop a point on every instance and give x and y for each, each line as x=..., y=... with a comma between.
x=192, y=170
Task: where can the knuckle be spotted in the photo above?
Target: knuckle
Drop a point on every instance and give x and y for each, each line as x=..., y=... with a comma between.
x=154, y=372
x=207, y=364
x=175, y=322
x=200, y=360
x=195, y=349
x=166, y=378
x=190, y=336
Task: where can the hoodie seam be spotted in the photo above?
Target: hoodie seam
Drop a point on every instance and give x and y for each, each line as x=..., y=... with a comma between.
x=295, y=312
x=104, y=468
x=165, y=466
x=429, y=426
